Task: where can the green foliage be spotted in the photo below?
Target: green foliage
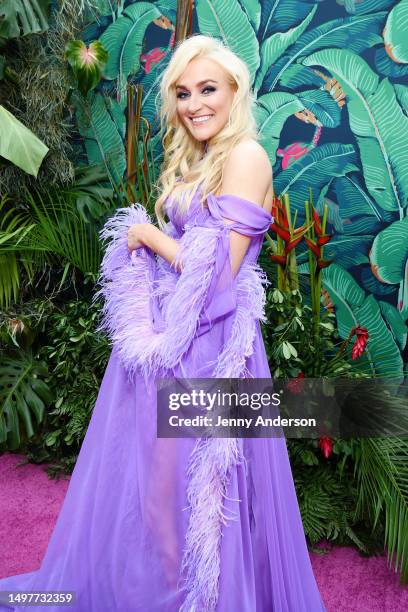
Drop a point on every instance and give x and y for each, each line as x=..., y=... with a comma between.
x=23, y=394
x=327, y=494
x=381, y=466
x=22, y=17
x=63, y=334
x=19, y=145
x=395, y=33
x=87, y=63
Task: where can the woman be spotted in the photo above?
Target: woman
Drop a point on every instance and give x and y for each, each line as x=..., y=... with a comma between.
x=166, y=524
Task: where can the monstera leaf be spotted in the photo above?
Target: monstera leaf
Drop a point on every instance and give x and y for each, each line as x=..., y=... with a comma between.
x=389, y=253
x=378, y=122
x=21, y=17
x=227, y=21
x=273, y=47
x=123, y=40
x=395, y=33
x=19, y=145
x=354, y=33
x=314, y=171
x=23, y=394
x=353, y=307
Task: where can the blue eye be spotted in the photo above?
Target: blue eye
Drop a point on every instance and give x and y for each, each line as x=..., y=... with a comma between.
x=208, y=88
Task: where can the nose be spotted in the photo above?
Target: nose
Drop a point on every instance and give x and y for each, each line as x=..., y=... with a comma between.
x=194, y=103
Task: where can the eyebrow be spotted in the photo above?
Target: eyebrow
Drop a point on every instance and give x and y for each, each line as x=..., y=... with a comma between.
x=200, y=83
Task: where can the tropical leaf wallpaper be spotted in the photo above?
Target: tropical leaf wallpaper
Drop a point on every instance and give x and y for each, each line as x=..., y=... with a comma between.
x=331, y=80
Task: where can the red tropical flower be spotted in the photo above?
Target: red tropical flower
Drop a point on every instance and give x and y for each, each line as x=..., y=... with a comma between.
x=296, y=385
x=326, y=446
x=361, y=341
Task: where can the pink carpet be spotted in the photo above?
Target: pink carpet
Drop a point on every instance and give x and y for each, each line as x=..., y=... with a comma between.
x=30, y=503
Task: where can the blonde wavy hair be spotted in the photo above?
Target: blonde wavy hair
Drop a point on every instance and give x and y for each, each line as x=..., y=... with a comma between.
x=183, y=154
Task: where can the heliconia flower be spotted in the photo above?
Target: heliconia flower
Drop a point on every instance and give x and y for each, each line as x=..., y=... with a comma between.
x=361, y=341
x=280, y=231
x=324, y=263
x=292, y=244
x=296, y=385
x=322, y=240
x=292, y=152
x=151, y=58
x=317, y=224
x=280, y=259
x=326, y=446
x=313, y=246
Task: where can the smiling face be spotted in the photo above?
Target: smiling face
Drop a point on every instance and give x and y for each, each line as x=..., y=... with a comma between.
x=204, y=98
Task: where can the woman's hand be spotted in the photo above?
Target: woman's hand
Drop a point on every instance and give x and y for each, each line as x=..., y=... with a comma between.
x=137, y=236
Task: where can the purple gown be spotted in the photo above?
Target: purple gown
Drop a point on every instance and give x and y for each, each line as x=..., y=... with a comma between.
x=167, y=525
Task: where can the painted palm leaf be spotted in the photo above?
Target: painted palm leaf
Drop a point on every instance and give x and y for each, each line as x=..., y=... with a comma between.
x=227, y=21
x=281, y=15
x=150, y=83
x=271, y=113
x=384, y=65
x=378, y=122
x=389, y=253
x=298, y=75
x=353, y=307
x=322, y=105
x=371, y=284
x=252, y=9
x=314, y=171
x=371, y=6
x=354, y=33
x=395, y=33
x=395, y=322
x=349, y=251
x=353, y=199
x=274, y=46
x=123, y=40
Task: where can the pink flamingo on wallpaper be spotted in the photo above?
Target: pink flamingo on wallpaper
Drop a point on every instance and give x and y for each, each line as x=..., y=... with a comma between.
x=297, y=149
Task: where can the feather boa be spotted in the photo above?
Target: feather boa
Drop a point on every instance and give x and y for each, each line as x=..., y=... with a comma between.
x=130, y=284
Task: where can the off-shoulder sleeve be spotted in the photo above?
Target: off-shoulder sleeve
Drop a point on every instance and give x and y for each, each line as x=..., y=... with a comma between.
x=153, y=313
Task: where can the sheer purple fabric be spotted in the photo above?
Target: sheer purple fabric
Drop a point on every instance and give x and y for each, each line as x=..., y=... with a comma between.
x=172, y=525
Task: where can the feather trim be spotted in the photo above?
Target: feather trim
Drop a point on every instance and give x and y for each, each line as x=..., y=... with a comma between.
x=213, y=459
x=128, y=286
x=129, y=283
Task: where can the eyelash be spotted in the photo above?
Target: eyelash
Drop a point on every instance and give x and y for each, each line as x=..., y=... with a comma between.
x=212, y=89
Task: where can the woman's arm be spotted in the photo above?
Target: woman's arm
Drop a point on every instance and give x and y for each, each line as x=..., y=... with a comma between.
x=146, y=234
x=247, y=174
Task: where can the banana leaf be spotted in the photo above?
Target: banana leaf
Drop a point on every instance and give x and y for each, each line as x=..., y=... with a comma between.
x=19, y=145
x=355, y=33
x=271, y=113
x=22, y=17
x=378, y=122
x=227, y=21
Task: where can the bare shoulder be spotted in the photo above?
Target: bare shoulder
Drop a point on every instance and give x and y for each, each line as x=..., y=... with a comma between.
x=248, y=173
